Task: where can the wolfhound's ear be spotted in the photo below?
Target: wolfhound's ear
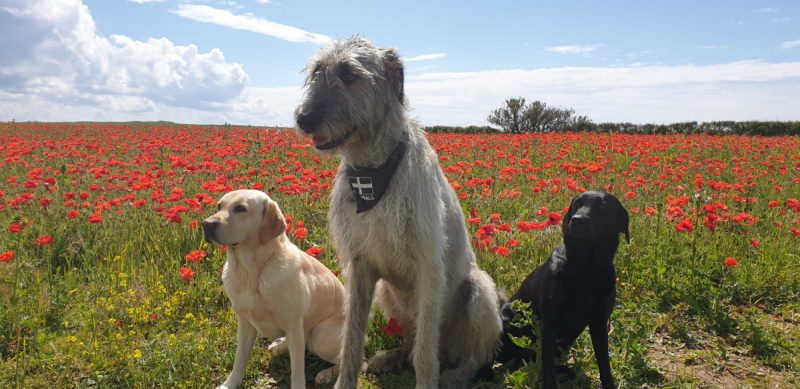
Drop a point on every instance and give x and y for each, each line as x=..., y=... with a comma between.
x=272, y=223
x=393, y=66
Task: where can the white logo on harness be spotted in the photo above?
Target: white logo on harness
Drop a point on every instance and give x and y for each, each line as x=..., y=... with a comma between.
x=364, y=187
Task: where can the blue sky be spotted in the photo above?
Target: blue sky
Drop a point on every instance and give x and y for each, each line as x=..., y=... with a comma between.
x=239, y=61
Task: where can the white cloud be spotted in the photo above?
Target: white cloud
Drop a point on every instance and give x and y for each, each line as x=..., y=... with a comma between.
x=573, y=49
x=263, y=1
x=736, y=91
x=248, y=22
x=257, y=106
x=59, y=57
x=425, y=57
x=790, y=44
x=145, y=1
x=742, y=90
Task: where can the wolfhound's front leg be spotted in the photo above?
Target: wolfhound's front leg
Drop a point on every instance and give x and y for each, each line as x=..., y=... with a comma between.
x=430, y=298
x=360, y=289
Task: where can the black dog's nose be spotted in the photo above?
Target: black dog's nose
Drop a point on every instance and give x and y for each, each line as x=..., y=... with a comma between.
x=579, y=219
x=209, y=228
x=309, y=122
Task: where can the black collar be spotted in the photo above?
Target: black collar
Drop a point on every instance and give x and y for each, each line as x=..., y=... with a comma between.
x=369, y=184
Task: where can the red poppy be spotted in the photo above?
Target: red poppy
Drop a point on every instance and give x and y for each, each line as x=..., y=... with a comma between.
x=553, y=218
x=44, y=240
x=501, y=251
x=755, y=243
x=731, y=262
x=300, y=233
x=15, y=228
x=95, y=219
x=6, y=256
x=630, y=195
x=72, y=214
x=314, y=251
x=195, y=256
x=194, y=224
x=528, y=226
x=392, y=328
x=187, y=274
x=474, y=220
x=685, y=225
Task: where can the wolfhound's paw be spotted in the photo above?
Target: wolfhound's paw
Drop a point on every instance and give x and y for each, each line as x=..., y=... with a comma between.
x=387, y=361
x=327, y=376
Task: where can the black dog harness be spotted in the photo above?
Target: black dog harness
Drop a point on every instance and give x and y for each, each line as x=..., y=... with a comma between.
x=369, y=184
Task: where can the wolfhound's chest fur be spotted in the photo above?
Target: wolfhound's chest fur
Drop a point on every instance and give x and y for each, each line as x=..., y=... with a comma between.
x=416, y=220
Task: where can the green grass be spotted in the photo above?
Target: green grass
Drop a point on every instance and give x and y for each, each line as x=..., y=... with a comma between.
x=104, y=305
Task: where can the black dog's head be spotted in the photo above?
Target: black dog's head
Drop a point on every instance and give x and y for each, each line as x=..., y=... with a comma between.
x=594, y=216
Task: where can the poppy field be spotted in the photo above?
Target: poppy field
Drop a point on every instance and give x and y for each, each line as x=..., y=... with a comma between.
x=106, y=281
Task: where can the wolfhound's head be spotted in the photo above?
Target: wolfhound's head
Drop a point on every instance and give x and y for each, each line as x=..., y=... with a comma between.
x=351, y=88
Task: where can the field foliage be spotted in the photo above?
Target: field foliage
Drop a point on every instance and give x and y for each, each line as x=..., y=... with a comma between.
x=105, y=280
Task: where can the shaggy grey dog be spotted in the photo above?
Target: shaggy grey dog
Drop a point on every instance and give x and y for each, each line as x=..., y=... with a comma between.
x=411, y=248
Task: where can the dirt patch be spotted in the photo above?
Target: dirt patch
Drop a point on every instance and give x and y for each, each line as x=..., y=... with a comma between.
x=714, y=364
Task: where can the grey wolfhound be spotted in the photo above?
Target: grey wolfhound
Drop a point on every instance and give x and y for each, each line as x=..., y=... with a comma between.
x=396, y=222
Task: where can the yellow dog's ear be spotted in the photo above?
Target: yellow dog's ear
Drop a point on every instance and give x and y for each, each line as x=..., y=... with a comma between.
x=272, y=224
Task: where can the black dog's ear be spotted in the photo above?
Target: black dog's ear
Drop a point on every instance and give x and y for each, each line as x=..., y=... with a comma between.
x=623, y=223
x=395, y=75
x=568, y=216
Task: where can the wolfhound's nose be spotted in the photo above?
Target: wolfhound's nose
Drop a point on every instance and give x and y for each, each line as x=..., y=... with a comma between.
x=309, y=122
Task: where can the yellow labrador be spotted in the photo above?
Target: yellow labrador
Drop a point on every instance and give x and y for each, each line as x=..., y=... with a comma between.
x=275, y=288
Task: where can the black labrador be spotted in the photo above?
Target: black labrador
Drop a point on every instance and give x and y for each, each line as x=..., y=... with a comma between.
x=576, y=287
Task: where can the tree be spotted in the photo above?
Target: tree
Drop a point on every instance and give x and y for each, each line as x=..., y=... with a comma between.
x=537, y=116
x=509, y=117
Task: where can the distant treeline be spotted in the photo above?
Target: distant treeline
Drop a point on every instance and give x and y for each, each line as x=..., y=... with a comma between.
x=516, y=116
x=463, y=130
x=763, y=128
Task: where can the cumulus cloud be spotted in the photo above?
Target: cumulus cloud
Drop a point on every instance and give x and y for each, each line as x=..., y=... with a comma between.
x=59, y=56
x=247, y=22
x=145, y=1
x=573, y=49
x=425, y=57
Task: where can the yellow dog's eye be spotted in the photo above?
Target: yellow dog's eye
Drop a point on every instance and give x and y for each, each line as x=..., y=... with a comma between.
x=239, y=208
